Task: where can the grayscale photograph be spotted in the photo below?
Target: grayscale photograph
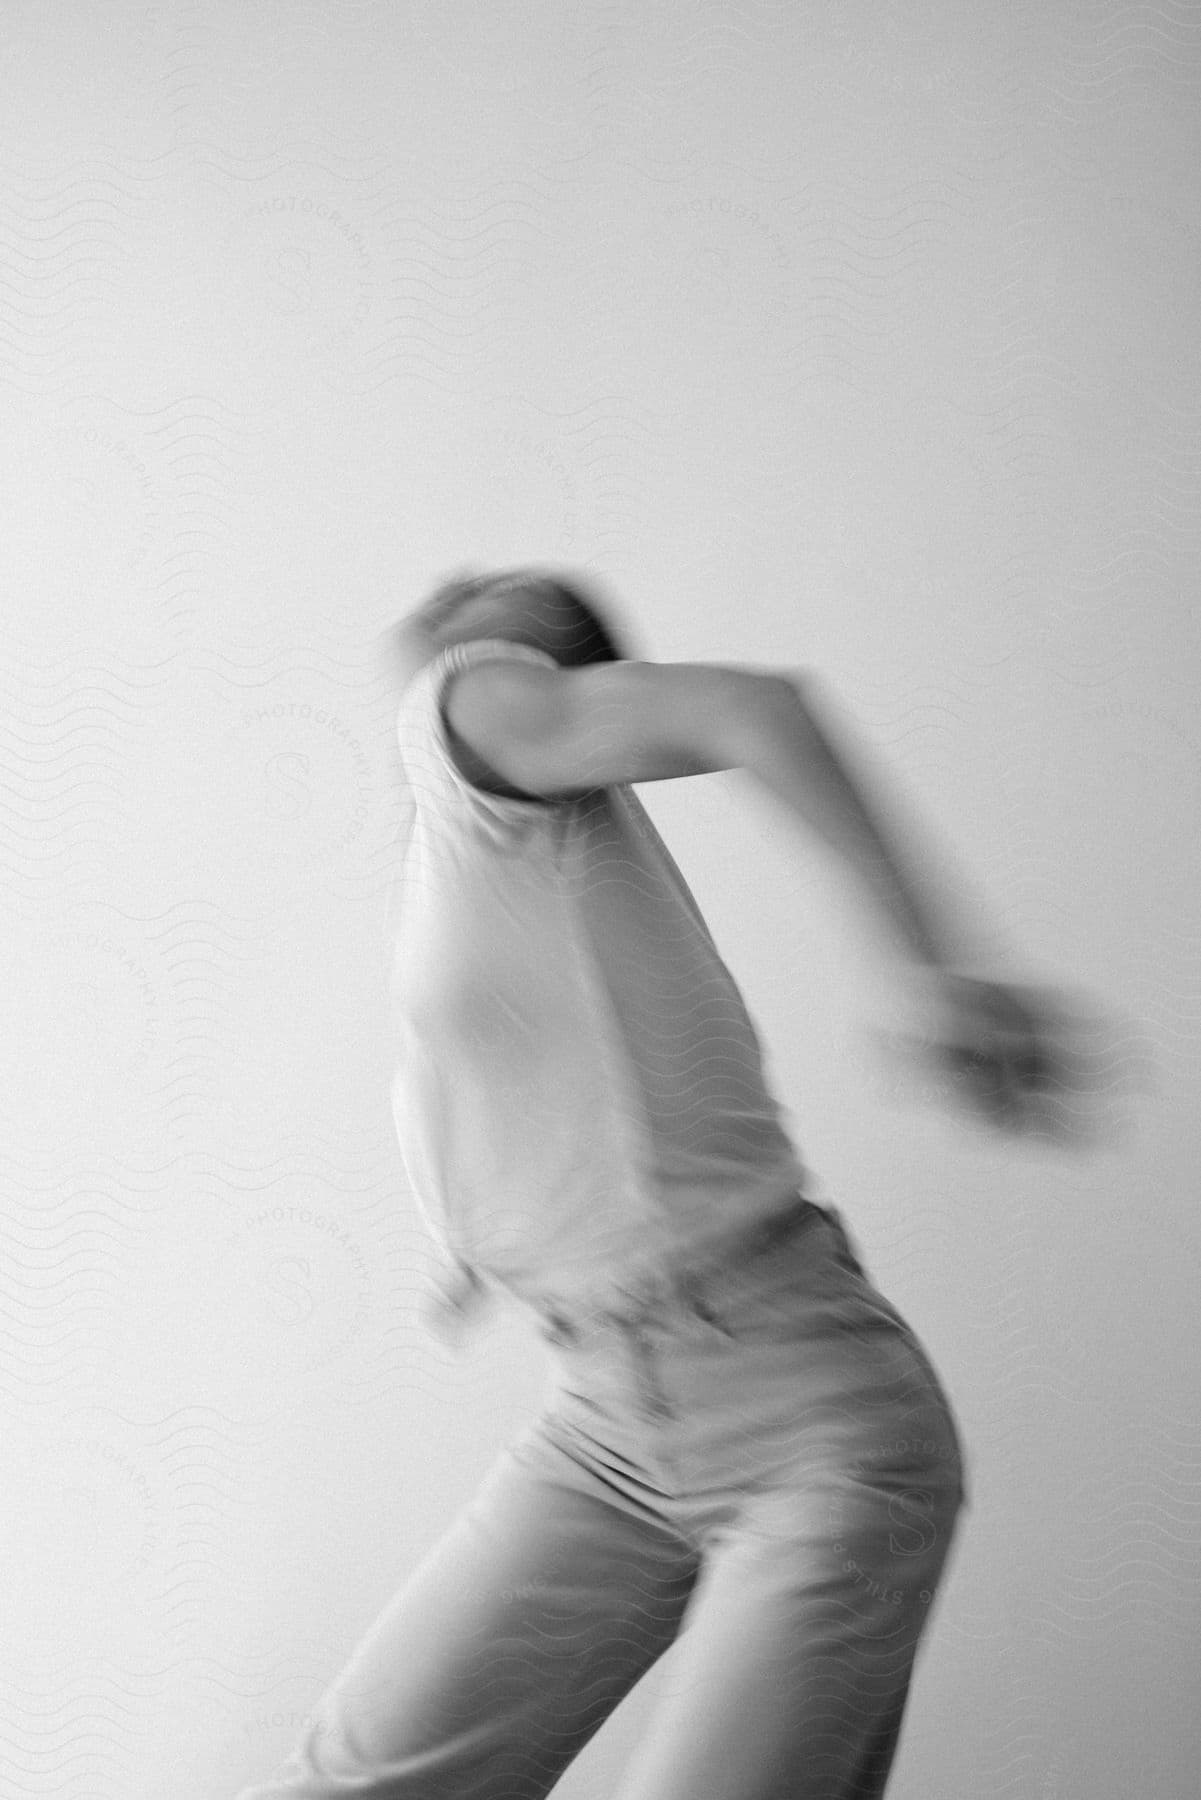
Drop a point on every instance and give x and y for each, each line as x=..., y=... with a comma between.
x=602, y=976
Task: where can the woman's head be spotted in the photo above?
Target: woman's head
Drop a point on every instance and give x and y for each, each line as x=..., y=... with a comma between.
x=527, y=606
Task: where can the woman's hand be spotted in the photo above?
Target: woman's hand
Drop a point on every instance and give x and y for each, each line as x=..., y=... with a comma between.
x=1011, y=1052
x=1000, y=1045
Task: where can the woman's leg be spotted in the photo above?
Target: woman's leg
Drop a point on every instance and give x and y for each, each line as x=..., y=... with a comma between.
x=832, y=1478
x=506, y=1649
x=792, y=1674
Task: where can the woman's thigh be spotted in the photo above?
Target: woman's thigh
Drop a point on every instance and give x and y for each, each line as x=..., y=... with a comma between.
x=504, y=1651
x=817, y=1357
x=835, y=1486
x=792, y=1673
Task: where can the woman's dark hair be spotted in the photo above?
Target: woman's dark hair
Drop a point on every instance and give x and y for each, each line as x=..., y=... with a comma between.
x=556, y=615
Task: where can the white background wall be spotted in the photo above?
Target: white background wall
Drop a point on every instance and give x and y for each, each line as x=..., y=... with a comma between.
x=855, y=336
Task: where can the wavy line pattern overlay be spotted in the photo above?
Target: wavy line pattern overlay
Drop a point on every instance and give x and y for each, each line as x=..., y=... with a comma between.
x=856, y=337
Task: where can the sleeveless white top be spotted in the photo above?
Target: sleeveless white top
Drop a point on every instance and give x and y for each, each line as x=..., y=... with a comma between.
x=578, y=1088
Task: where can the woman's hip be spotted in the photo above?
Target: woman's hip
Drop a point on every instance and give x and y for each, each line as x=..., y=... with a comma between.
x=789, y=1353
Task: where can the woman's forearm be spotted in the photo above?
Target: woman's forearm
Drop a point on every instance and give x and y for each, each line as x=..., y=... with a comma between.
x=797, y=756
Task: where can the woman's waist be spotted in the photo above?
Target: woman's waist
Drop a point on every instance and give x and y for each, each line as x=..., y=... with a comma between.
x=684, y=1267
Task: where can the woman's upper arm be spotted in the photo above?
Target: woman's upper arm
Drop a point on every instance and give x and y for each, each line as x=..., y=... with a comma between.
x=552, y=730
